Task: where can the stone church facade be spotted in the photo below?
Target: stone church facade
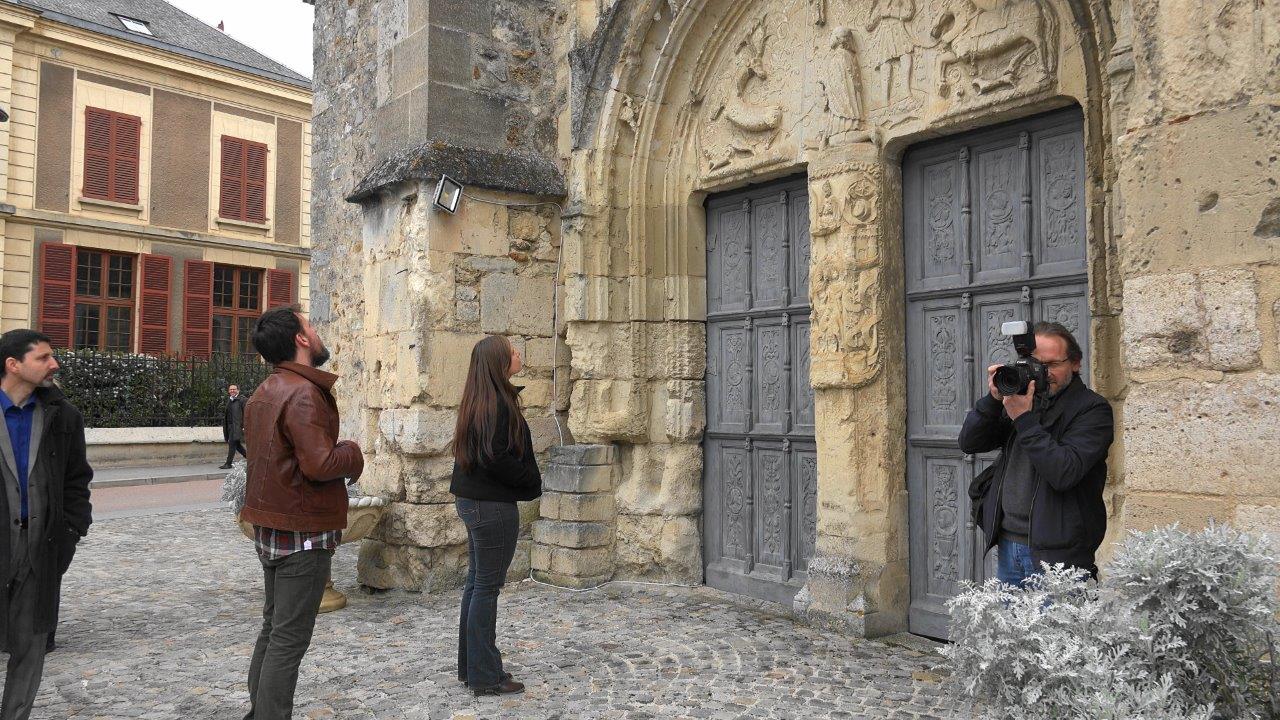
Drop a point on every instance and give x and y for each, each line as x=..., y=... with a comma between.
x=757, y=255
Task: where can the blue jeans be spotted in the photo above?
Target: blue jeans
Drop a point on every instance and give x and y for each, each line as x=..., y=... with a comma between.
x=1013, y=563
x=492, y=531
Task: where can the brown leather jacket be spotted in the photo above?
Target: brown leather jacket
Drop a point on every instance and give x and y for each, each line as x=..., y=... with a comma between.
x=296, y=463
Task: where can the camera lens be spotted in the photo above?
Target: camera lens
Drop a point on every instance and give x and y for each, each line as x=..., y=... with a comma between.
x=1011, y=380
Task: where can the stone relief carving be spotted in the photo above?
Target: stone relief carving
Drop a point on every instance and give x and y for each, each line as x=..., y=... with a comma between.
x=894, y=46
x=990, y=45
x=737, y=127
x=846, y=276
x=819, y=12
x=735, y=491
x=841, y=93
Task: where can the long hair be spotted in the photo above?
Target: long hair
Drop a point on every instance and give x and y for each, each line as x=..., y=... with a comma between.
x=487, y=393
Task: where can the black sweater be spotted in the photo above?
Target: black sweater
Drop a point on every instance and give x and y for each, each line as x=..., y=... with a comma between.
x=509, y=476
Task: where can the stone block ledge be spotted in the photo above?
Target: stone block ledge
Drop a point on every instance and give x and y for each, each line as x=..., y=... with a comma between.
x=576, y=535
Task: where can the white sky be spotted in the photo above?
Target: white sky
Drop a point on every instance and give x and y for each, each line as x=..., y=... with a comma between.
x=279, y=29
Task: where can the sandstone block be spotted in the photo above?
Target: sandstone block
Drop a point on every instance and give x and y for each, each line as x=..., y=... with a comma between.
x=686, y=410
x=572, y=534
x=653, y=547
x=434, y=525
x=591, y=562
x=661, y=480
x=1259, y=520
x=577, y=478
x=1208, y=318
x=1144, y=511
x=417, y=569
x=426, y=480
x=607, y=410
x=417, y=431
x=575, y=507
x=520, y=564
x=383, y=476
x=584, y=455
x=1201, y=437
x=515, y=305
x=601, y=350
x=449, y=355
x=540, y=557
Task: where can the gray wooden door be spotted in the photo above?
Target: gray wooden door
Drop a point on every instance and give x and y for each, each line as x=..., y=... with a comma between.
x=761, y=470
x=994, y=225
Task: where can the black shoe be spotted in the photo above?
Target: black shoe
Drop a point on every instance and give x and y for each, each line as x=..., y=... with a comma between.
x=224, y=467
x=506, y=687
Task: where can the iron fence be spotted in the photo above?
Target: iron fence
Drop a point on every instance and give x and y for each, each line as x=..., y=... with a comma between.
x=123, y=390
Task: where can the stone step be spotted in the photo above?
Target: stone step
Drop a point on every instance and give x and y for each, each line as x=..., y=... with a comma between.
x=159, y=475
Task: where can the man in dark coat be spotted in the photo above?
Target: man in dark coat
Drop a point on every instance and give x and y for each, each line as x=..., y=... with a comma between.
x=233, y=426
x=45, y=505
x=1044, y=499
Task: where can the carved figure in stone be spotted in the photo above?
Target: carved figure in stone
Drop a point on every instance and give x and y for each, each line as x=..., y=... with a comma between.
x=894, y=47
x=752, y=126
x=860, y=203
x=987, y=45
x=628, y=113
x=819, y=12
x=841, y=93
x=827, y=221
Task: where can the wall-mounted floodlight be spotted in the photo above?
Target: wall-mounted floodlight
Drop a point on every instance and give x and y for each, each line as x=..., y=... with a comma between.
x=448, y=194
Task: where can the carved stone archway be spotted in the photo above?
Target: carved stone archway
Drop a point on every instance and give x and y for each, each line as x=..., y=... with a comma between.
x=707, y=95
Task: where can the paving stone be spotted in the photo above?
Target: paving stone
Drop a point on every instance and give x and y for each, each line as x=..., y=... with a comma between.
x=160, y=613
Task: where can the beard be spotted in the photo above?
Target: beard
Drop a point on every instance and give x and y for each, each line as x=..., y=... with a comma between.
x=319, y=357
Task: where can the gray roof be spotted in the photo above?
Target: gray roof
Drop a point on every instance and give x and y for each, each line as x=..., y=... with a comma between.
x=172, y=30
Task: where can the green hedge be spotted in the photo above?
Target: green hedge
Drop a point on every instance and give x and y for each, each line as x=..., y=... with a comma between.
x=123, y=390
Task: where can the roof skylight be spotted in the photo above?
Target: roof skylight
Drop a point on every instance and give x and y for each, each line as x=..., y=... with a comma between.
x=134, y=25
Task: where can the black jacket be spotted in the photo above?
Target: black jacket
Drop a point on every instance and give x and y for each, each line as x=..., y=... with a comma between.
x=1067, y=446
x=509, y=477
x=233, y=420
x=66, y=469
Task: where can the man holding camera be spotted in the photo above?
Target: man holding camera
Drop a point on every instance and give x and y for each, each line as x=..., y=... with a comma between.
x=1041, y=500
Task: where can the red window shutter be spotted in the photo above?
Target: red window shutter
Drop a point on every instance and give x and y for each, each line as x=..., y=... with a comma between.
x=97, y=153
x=154, y=326
x=279, y=288
x=57, y=299
x=231, y=185
x=255, y=182
x=197, y=309
x=126, y=147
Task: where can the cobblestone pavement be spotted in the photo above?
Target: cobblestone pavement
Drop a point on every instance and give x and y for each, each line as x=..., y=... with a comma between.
x=160, y=613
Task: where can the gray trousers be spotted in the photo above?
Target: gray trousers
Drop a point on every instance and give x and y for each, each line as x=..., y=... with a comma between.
x=26, y=647
x=295, y=585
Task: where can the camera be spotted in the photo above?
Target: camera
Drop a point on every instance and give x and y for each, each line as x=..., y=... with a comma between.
x=1014, y=378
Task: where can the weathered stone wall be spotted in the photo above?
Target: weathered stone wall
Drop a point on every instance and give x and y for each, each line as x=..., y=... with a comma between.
x=406, y=291
x=1198, y=185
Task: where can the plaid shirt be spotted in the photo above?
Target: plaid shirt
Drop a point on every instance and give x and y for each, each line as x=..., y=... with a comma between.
x=274, y=544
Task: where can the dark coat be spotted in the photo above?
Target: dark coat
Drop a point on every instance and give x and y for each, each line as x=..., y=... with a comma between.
x=233, y=420
x=1067, y=446
x=65, y=468
x=511, y=476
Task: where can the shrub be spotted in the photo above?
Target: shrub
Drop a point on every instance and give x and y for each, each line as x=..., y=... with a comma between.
x=1175, y=630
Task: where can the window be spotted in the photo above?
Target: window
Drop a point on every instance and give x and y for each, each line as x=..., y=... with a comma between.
x=237, y=303
x=133, y=25
x=103, y=317
x=243, y=181
x=111, y=147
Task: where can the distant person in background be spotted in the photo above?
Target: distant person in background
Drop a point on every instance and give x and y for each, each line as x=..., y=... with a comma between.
x=233, y=426
x=44, y=505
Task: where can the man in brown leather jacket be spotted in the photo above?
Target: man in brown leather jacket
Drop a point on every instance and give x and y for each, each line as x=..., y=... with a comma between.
x=295, y=498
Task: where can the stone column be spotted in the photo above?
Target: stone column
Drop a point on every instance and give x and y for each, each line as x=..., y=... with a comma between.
x=858, y=577
x=573, y=542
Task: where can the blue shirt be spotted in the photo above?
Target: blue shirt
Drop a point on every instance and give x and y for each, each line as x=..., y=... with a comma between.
x=19, y=421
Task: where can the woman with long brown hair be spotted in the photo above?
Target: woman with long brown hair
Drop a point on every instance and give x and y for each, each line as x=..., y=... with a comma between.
x=493, y=467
